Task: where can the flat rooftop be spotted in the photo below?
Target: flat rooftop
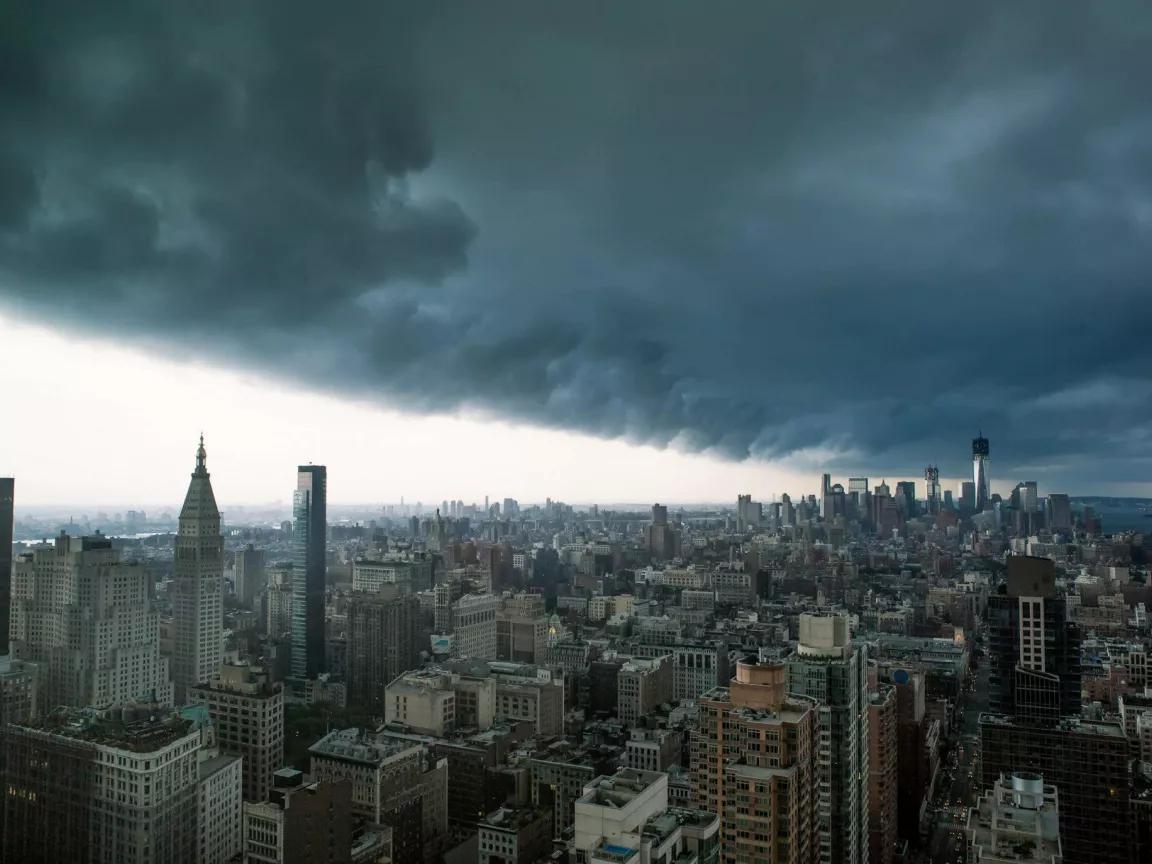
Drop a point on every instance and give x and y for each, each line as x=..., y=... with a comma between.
x=358, y=745
x=139, y=734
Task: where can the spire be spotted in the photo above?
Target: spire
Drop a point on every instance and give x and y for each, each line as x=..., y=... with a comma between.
x=201, y=457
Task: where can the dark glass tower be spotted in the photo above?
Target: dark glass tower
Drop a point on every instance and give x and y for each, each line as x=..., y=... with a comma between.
x=1034, y=651
x=309, y=530
x=7, y=499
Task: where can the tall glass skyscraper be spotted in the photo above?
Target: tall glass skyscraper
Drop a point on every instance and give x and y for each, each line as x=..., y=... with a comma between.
x=309, y=530
x=980, y=472
x=7, y=514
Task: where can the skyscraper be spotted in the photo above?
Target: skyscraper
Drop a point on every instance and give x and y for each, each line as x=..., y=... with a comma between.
x=382, y=644
x=967, y=496
x=932, y=488
x=980, y=472
x=251, y=575
x=906, y=498
x=1034, y=651
x=87, y=619
x=198, y=584
x=1059, y=513
x=827, y=667
x=309, y=537
x=7, y=515
x=754, y=764
x=882, y=775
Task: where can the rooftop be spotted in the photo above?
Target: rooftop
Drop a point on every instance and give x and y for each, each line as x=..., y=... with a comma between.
x=135, y=728
x=359, y=745
x=1067, y=724
x=510, y=818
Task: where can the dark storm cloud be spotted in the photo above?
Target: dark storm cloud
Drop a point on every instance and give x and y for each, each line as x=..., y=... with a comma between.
x=844, y=231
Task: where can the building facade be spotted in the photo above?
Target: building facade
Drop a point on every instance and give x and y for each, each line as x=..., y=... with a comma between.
x=118, y=786
x=827, y=667
x=309, y=560
x=247, y=712
x=1033, y=649
x=89, y=623
x=383, y=629
x=882, y=775
x=304, y=821
x=197, y=585
x=7, y=522
x=220, y=808
x=754, y=765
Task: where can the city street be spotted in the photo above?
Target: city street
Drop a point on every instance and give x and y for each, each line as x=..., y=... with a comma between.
x=958, y=785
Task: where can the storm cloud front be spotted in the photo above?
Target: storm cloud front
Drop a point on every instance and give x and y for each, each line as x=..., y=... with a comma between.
x=760, y=230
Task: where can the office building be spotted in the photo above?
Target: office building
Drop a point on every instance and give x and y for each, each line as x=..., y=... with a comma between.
x=408, y=574
x=118, y=786
x=753, y=760
x=1087, y=762
x=663, y=539
x=474, y=626
x=278, y=607
x=220, y=808
x=383, y=643
x=827, y=667
x=1059, y=511
x=247, y=712
x=653, y=749
x=304, y=821
x=251, y=575
x=198, y=585
x=521, y=629
x=882, y=775
x=980, y=484
x=511, y=835
x=19, y=690
x=1017, y=822
x=967, y=496
x=1033, y=651
x=932, y=488
x=7, y=523
x=394, y=782
x=916, y=737
x=697, y=667
x=309, y=559
x=906, y=498
x=425, y=701
x=88, y=621
x=643, y=684
x=1028, y=497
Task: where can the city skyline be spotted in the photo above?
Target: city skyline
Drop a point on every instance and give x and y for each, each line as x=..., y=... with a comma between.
x=243, y=416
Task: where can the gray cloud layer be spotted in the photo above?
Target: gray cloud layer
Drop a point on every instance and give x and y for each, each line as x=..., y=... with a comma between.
x=760, y=229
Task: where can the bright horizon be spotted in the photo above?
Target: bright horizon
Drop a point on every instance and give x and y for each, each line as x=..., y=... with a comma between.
x=122, y=427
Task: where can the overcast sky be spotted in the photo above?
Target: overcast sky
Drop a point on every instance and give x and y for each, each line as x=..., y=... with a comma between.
x=756, y=238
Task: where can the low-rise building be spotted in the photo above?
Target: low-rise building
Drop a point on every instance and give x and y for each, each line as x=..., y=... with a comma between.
x=1018, y=822
x=514, y=836
x=304, y=821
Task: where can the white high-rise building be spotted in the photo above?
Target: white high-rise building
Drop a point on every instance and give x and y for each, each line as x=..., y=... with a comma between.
x=198, y=585
x=87, y=620
x=830, y=669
